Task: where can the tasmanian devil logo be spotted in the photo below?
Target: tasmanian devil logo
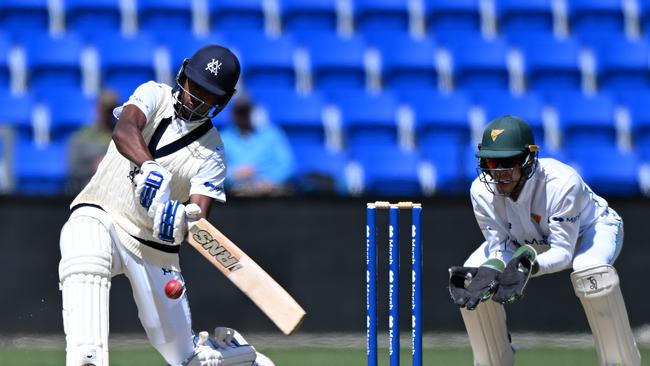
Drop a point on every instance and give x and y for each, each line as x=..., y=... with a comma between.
x=495, y=133
x=221, y=254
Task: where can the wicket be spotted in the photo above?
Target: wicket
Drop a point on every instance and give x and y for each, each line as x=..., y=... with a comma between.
x=393, y=282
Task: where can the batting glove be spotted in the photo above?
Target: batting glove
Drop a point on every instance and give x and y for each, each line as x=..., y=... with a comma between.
x=514, y=278
x=468, y=286
x=171, y=220
x=152, y=186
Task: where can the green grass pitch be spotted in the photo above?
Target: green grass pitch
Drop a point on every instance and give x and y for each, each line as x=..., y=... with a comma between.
x=322, y=357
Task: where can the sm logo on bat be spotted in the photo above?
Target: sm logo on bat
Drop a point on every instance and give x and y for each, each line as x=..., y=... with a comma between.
x=221, y=254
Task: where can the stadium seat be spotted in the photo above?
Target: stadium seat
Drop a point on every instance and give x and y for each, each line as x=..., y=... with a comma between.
x=125, y=71
x=69, y=111
x=448, y=16
x=17, y=16
x=16, y=111
x=640, y=124
x=40, y=169
x=266, y=62
x=300, y=116
x=5, y=73
x=313, y=15
x=236, y=15
x=529, y=107
x=550, y=64
x=336, y=63
x=182, y=47
x=87, y=16
x=371, y=15
x=319, y=170
x=53, y=62
x=622, y=65
x=587, y=16
x=407, y=63
x=607, y=170
x=586, y=120
x=515, y=16
x=367, y=119
x=388, y=170
x=489, y=71
x=165, y=15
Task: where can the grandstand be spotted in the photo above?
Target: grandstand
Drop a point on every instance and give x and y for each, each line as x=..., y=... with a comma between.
x=388, y=97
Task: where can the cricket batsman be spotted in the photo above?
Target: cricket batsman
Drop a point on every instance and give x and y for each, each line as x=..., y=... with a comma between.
x=164, y=167
x=538, y=217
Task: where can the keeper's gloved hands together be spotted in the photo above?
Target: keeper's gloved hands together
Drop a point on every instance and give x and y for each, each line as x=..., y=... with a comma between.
x=514, y=278
x=152, y=186
x=470, y=285
x=171, y=220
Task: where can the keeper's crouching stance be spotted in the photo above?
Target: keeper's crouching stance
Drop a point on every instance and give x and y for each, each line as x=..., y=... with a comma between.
x=538, y=217
x=165, y=142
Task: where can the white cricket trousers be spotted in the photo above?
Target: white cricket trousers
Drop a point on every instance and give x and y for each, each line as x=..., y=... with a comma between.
x=90, y=231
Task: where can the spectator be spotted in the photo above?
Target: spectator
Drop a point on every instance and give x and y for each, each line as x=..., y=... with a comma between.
x=88, y=145
x=260, y=161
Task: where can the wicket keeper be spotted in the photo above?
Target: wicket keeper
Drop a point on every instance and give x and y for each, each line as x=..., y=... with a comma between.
x=538, y=216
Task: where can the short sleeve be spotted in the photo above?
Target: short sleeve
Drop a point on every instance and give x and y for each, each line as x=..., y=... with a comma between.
x=147, y=97
x=210, y=178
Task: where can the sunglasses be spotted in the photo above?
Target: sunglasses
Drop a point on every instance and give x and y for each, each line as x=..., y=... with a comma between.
x=506, y=163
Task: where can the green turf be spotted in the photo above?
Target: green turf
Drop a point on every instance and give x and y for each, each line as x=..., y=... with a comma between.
x=321, y=357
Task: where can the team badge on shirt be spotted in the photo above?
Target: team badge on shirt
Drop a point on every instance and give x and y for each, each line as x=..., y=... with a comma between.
x=536, y=217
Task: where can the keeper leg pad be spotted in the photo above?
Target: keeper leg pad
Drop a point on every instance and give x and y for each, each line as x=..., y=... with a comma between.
x=488, y=334
x=599, y=291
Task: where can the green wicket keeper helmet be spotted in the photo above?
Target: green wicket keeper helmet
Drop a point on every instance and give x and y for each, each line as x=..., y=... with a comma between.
x=507, y=142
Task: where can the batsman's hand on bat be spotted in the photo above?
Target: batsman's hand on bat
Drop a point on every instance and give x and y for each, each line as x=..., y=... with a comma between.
x=468, y=286
x=514, y=278
x=171, y=221
x=152, y=186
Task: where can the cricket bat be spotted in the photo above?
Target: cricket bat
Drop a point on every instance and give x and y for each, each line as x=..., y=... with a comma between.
x=247, y=275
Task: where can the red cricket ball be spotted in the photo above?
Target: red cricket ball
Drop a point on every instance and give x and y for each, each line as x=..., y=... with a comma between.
x=174, y=289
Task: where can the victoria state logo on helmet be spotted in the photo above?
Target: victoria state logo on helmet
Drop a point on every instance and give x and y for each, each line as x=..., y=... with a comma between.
x=213, y=67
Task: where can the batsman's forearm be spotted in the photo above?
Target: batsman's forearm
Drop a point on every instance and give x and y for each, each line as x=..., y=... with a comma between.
x=129, y=142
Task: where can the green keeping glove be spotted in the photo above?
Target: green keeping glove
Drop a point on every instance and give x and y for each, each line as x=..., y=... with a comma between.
x=468, y=286
x=514, y=278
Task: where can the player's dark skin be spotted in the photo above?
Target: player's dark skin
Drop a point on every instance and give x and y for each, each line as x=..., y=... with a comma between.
x=130, y=143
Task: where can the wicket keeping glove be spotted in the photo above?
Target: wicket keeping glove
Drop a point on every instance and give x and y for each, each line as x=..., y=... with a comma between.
x=152, y=186
x=171, y=220
x=514, y=278
x=468, y=286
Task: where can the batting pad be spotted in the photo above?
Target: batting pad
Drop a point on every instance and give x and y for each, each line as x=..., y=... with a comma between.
x=85, y=275
x=488, y=334
x=599, y=292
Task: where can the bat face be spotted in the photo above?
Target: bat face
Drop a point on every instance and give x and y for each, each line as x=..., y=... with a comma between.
x=215, y=249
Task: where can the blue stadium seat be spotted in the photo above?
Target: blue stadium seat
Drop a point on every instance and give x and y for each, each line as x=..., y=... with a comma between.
x=446, y=16
x=181, y=48
x=587, y=16
x=388, y=170
x=319, y=169
x=53, y=61
x=640, y=128
x=266, y=62
x=40, y=170
x=342, y=69
x=236, y=15
x=447, y=160
x=607, y=170
x=69, y=111
x=529, y=107
x=372, y=15
x=367, y=119
x=622, y=65
x=87, y=16
x=17, y=16
x=586, y=120
x=300, y=116
x=515, y=16
x=550, y=64
x=300, y=15
x=16, y=111
x=125, y=71
x=165, y=15
x=5, y=73
x=489, y=71
x=407, y=63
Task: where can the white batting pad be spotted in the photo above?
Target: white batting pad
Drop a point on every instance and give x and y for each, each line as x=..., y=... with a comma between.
x=488, y=334
x=599, y=292
x=85, y=280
